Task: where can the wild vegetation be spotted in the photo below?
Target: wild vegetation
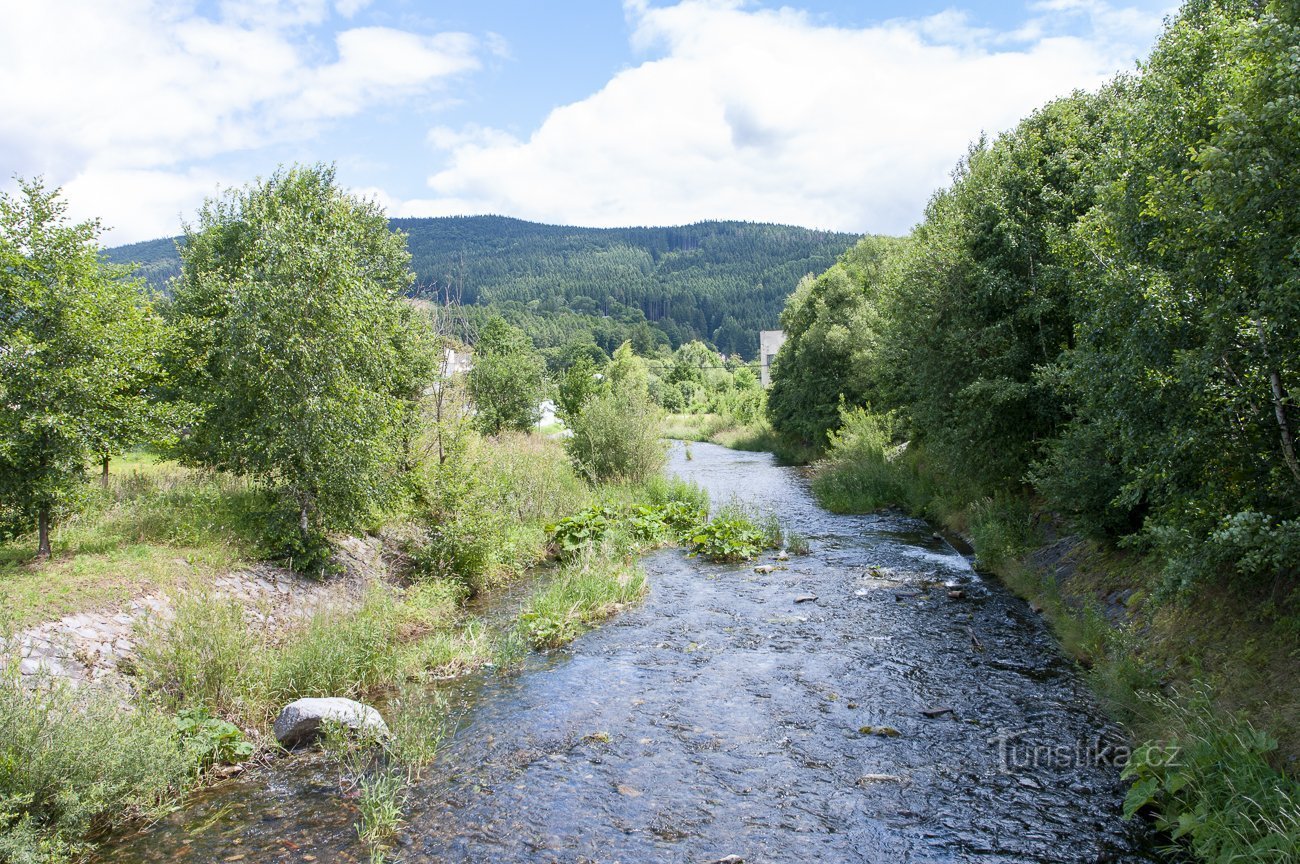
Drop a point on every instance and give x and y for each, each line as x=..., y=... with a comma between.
x=1096, y=329
x=284, y=394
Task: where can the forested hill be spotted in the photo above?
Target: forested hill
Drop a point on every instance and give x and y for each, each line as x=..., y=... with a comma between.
x=717, y=281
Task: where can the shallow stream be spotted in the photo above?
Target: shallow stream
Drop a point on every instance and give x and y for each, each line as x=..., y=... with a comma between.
x=731, y=715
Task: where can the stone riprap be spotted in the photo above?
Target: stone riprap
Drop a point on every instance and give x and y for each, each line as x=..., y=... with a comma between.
x=95, y=645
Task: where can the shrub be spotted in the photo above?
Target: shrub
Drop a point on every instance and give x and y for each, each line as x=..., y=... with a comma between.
x=616, y=437
x=339, y=652
x=76, y=762
x=859, y=472
x=1002, y=527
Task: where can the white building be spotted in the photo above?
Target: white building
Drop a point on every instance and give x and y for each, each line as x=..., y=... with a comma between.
x=769, y=342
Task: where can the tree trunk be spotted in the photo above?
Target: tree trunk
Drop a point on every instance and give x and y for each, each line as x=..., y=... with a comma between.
x=304, y=524
x=1280, y=400
x=43, y=532
x=103, y=478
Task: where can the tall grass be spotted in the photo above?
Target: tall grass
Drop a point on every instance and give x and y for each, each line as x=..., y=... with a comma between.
x=1211, y=786
x=582, y=593
x=77, y=762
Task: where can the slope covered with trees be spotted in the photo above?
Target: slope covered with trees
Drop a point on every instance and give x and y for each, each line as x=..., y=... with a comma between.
x=1096, y=329
x=719, y=282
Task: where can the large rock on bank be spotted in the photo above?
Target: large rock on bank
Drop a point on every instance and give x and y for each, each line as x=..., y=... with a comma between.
x=300, y=721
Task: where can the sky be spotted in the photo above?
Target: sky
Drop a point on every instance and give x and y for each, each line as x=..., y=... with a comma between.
x=822, y=113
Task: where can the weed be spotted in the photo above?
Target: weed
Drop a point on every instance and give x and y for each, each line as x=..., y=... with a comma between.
x=1210, y=785
x=583, y=592
x=211, y=740
x=203, y=657
x=73, y=763
x=796, y=543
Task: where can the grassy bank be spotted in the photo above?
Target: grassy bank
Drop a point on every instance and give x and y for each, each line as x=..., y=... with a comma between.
x=1208, y=684
x=730, y=432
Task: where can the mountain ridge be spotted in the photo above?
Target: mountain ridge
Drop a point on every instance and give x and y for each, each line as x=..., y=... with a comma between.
x=719, y=281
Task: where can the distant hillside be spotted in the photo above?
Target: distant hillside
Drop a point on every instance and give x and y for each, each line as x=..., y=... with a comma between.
x=717, y=281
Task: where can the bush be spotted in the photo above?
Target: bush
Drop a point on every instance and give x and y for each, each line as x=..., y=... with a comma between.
x=616, y=438
x=860, y=472
x=1002, y=528
x=484, y=509
x=1211, y=787
x=76, y=762
x=340, y=652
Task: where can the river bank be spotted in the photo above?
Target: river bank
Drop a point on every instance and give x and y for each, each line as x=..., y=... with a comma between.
x=837, y=705
x=1205, y=684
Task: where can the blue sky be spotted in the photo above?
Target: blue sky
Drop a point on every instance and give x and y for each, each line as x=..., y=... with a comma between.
x=826, y=114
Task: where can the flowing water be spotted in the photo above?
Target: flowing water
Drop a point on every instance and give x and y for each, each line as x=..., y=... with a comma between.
x=732, y=715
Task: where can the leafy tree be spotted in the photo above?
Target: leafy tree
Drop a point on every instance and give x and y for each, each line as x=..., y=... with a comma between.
x=627, y=373
x=296, y=346
x=579, y=384
x=982, y=299
x=507, y=382
x=1189, y=348
x=832, y=325
x=79, y=347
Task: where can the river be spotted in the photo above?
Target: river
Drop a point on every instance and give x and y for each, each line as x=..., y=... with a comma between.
x=731, y=715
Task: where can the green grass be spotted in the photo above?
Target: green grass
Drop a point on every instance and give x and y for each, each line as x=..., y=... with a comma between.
x=156, y=526
x=580, y=595
x=73, y=763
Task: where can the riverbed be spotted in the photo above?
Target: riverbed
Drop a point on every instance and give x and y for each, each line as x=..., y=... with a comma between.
x=875, y=700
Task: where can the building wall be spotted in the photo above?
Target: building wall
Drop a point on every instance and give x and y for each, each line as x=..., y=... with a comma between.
x=769, y=342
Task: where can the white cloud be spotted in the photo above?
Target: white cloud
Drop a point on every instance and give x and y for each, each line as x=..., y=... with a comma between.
x=766, y=115
x=100, y=96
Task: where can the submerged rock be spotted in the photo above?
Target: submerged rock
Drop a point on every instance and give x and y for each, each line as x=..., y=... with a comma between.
x=300, y=721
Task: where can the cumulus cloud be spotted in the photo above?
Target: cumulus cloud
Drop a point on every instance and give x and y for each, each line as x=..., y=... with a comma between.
x=768, y=115
x=120, y=101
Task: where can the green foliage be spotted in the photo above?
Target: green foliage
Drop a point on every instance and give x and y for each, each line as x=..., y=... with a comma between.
x=507, y=382
x=1210, y=786
x=1190, y=323
x=616, y=437
x=297, y=348
x=575, y=534
x=860, y=471
x=832, y=341
x=73, y=763
x=200, y=658
x=1002, y=527
x=483, y=511
x=629, y=528
x=732, y=535
x=78, y=359
x=585, y=591
x=339, y=652
x=577, y=386
x=211, y=740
